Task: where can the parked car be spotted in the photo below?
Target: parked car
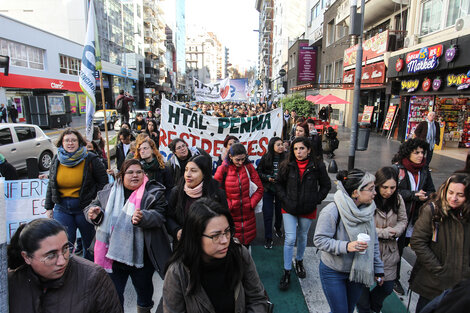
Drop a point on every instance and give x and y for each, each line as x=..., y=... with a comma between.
x=111, y=118
x=19, y=142
x=132, y=115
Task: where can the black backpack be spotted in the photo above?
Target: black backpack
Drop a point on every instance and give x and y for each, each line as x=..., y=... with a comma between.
x=119, y=103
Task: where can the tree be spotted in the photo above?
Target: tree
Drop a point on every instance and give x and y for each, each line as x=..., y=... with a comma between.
x=297, y=103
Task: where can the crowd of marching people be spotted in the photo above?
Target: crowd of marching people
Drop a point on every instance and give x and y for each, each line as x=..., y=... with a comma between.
x=194, y=224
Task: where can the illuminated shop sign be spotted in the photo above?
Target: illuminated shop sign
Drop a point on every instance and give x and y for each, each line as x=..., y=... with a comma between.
x=410, y=85
x=425, y=59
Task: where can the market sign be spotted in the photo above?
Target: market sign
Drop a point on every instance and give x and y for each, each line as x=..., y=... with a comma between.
x=410, y=85
x=373, y=75
x=372, y=48
x=461, y=81
x=425, y=59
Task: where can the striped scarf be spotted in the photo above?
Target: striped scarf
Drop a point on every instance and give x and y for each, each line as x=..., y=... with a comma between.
x=70, y=159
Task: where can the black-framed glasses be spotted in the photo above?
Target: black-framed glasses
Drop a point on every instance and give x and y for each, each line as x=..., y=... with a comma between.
x=228, y=233
x=51, y=258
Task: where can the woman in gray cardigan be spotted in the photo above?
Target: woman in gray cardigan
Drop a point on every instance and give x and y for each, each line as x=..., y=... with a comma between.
x=347, y=264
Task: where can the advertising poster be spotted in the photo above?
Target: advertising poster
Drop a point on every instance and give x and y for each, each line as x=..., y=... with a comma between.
x=389, y=118
x=307, y=63
x=367, y=114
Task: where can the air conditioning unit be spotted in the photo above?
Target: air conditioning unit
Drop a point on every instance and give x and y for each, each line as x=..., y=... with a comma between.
x=410, y=41
x=463, y=22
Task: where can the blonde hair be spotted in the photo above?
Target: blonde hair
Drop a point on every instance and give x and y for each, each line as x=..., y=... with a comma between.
x=153, y=146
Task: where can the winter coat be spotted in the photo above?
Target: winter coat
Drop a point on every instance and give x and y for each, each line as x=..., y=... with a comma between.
x=120, y=157
x=154, y=207
x=94, y=179
x=84, y=288
x=384, y=223
x=174, y=165
x=422, y=131
x=249, y=293
x=8, y=171
x=301, y=196
x=266, y=171
x=442, y=264
x=163, y=176
x=176, y=211
x=236, y=183
x=404, y=188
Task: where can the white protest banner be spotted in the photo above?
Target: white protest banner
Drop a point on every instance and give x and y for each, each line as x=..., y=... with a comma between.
x=216, y=92
x=208, y=132
x=24, y=202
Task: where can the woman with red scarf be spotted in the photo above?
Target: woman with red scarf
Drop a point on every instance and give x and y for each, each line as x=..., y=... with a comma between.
x=415, y=185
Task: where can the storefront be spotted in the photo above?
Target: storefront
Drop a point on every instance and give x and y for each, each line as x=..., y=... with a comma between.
x=435, y=78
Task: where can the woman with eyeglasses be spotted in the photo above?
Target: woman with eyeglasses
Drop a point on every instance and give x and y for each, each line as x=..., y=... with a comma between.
x=75, y=177
x=390, y=223
x=346, y=236
x=153, y=164
x=45, y=277
x=197, y=183
x=302, y=183
x=235, y=175
x=210, y=271
x=131, y=238
x=415, y=185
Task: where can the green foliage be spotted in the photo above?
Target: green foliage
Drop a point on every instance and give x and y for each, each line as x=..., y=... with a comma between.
x=297, y=103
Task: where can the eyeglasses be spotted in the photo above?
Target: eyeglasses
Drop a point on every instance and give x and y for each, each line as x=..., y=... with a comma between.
x=70, y=140
x=180, y=147
x=139, y=172
x=228, y=233
x=51, y=258
x=371, y=189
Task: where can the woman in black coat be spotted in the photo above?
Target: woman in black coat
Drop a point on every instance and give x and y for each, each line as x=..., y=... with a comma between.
x=197, y=183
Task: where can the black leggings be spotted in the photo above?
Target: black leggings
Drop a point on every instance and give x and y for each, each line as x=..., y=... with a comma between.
x=402, y=242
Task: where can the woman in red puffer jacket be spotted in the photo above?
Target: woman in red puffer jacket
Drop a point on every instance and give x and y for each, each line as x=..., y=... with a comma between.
x=234, y=178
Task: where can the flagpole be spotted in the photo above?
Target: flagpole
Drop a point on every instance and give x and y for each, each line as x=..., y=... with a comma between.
x=105, y=121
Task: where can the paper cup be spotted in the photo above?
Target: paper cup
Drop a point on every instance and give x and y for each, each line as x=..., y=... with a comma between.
x=365, y=238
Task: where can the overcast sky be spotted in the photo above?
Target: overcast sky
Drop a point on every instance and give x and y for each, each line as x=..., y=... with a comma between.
x=233, y=21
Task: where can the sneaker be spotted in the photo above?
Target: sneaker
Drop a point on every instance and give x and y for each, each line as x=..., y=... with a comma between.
x=398, y=288
x=299, y=268
x=278, y=233
x=285, y=281
x=268, y=243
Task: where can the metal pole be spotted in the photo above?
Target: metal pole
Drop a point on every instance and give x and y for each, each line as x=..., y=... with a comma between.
x=3, y=252
x=357, y=92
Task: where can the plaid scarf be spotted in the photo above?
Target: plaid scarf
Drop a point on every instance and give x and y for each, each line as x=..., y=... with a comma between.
x=70, y=159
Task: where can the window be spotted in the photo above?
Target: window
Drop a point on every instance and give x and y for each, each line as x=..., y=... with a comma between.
x=341, y=30
x=25, y=133
x=330, y=32
x=328, y=73
x=69, y=65
x=5, y=136
x=22, y=55
x=315, y=11
x=457, y=9
x=339, y=71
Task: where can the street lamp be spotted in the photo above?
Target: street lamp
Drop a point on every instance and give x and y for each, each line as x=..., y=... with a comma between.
x=357, y=77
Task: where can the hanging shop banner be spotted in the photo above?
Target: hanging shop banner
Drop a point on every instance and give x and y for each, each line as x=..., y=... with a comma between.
x=307, y=61
x=208, y=132
x=239, y=89
x=389, y=118
x=367, y=114
x=24, y=202
x=373, y=75
x=215, y=92
x=372, y=48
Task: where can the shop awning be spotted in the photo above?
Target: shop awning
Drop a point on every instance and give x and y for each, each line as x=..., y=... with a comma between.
x=330, y=99
x=314, y=99
x=31, y=82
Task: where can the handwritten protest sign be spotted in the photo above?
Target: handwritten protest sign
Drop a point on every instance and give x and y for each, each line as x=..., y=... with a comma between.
x=24, y=201
x=208, y=132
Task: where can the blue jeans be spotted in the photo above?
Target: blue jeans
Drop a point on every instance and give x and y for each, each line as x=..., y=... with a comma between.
x=340, y=293
x=141, y=279
x=271, y=206
x=374, y=299
x=67, y=213
x=291, y=231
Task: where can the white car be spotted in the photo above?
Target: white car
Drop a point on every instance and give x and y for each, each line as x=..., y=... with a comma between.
x=19, y=142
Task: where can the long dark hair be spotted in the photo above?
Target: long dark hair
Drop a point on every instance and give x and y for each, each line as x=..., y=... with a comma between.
x=284, y=167
x=28, y=238
x=269, y=156
x=237, y=149
x=189, y=250
x=209, y=188
x=408, y=147
x=392, y=203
